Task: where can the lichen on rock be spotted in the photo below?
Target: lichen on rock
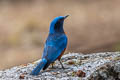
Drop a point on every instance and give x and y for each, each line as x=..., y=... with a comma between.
x=95, y=66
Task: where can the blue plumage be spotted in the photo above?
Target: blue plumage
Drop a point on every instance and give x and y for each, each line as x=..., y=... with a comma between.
x=55, y=45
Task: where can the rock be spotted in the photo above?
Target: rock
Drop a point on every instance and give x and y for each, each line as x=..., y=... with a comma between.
x=80, y=73
x=21, y=76
x=71, y=62
x=96, y=66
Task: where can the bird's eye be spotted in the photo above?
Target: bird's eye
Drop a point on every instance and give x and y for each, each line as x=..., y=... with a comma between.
x=60, y=20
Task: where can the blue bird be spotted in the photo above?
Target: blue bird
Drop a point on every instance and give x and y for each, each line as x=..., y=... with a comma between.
x=55, y=45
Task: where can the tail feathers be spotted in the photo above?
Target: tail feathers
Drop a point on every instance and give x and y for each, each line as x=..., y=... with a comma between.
x=45, y=67
x=39, y=67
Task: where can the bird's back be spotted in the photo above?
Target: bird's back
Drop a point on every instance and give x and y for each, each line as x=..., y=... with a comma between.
x=55, y=44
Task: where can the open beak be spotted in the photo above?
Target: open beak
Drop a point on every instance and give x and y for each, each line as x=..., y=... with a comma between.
x=66, y=16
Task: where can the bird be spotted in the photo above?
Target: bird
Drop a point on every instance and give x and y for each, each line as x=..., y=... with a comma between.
x=55, y=45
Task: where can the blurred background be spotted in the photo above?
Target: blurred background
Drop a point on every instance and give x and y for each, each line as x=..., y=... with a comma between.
x=93, y=26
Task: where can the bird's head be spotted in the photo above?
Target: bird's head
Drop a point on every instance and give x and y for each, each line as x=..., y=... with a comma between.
x=56, y=25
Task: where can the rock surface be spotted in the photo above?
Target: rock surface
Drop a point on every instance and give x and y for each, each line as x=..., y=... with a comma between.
x=96, y=66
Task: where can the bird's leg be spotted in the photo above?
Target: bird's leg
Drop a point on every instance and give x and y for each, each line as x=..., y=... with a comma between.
x=61, y=64
x=52, y=65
